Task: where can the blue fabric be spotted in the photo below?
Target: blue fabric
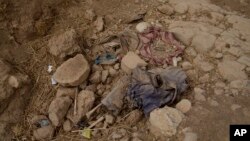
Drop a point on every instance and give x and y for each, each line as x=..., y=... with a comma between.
x=153, y=90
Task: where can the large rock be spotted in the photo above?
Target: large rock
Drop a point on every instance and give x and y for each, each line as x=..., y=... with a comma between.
x=231, y=70
x=72, y=72
x=58, y=109
x=185, y=35
x=165, y=121
x=85, y=102
x=131, y=61
x=64, y=44
x=203, y=42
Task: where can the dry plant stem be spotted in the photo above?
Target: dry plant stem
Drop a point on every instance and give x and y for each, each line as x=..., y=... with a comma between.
x=88, y=115
x=97, y=121
x=75, y=102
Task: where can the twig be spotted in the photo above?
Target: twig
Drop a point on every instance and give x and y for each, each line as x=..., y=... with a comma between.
x=88, y=115
x=93, y=124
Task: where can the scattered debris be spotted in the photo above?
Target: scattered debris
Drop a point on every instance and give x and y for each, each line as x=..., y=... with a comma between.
x=150, y=90
x=106, y=59
x=50, y=68
x=53, y=81
x=86, y=133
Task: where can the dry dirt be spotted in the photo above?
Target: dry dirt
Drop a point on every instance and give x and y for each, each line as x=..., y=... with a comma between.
x=26, y=50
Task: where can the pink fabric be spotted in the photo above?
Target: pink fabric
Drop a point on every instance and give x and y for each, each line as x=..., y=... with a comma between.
x=146, y=45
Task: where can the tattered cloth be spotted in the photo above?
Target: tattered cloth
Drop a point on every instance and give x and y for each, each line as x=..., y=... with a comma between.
x=155, y=45
x=147, y=44
x=153, y=89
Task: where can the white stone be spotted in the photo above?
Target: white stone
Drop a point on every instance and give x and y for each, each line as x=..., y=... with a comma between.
x=203, y=42
x=231, y=70
x=165, y=121
x=130, y=61
x=72, y=72
x=184, y=105
x=141, y=27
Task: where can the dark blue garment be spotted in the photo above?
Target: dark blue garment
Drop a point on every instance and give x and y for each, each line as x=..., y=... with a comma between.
x=151, y=90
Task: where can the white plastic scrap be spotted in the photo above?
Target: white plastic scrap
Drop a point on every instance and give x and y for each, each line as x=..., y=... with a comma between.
x=50, y=68
x=53, y=81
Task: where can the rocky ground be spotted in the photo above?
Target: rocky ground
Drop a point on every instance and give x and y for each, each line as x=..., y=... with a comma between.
x=68, y=36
